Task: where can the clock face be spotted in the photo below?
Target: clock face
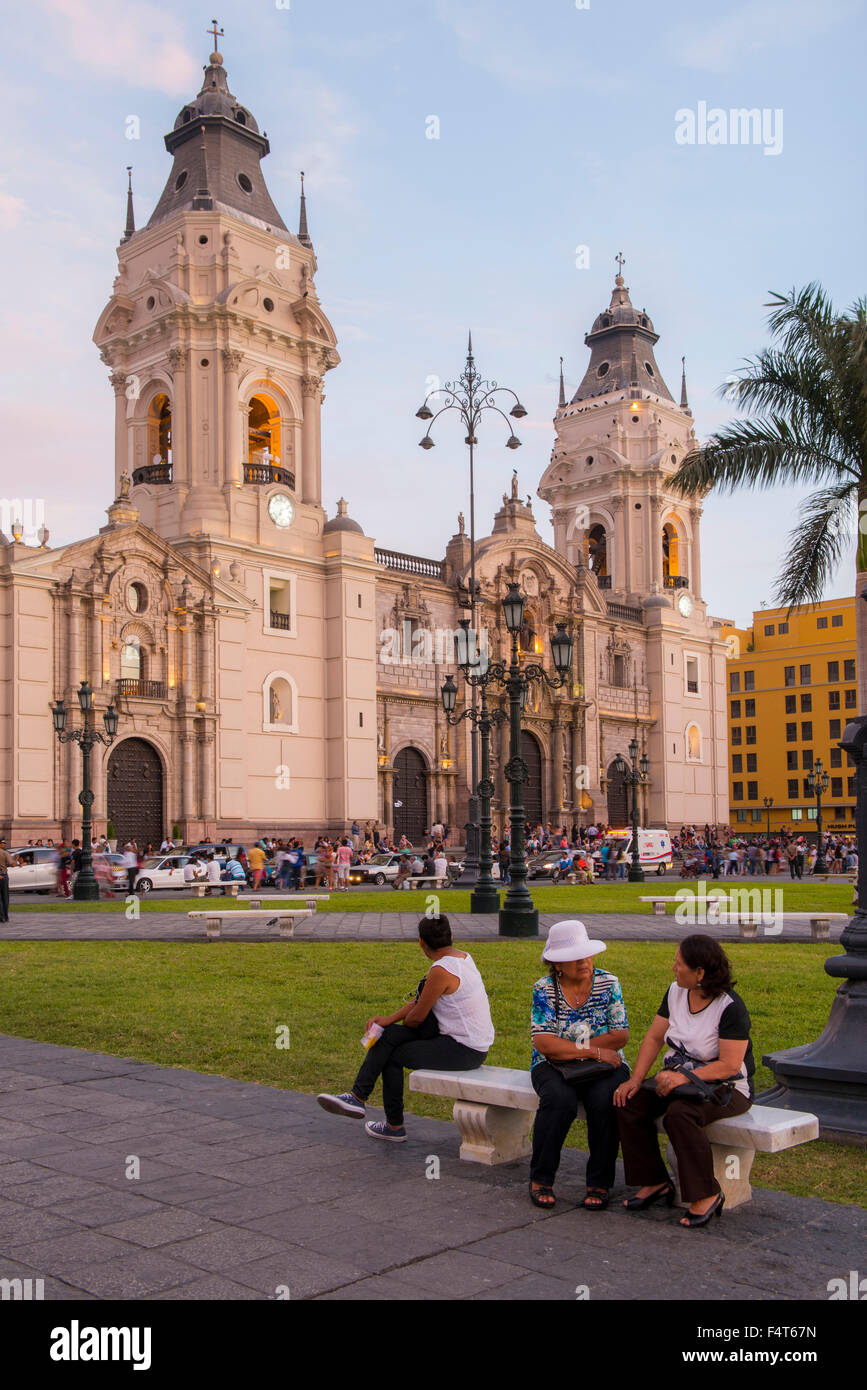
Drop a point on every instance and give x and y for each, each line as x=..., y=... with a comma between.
x=281, y=509
x=684, y=603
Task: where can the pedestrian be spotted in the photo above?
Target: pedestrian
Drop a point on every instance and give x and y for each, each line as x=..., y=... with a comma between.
x=256, y=860
x=356, y=836
x=343, y=859
x=130, y=863
x=5, y=863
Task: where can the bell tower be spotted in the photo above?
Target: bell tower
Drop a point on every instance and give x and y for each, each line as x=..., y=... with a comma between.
x=217, y=343
x=618, y=441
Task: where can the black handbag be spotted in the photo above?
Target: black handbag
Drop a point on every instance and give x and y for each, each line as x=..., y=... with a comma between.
x=583, y=1068
x=696, y=1089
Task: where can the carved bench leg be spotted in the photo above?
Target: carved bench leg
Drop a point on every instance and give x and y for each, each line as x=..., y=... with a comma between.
x=287, y=927
x=731, y=1168
x=212, y=927
x=820, y=928
x=492, y=1133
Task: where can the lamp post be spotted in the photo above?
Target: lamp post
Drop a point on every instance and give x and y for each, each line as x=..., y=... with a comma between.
x=817, y=782
x=470, y=395
x=86, y=887
x=767, y=802
x=634, y=776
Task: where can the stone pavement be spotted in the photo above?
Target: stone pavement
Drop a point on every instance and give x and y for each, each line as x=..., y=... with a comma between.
x=360, y=926
x=246, y=1192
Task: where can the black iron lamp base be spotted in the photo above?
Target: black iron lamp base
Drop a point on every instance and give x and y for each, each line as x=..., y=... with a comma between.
x=484, y=900
x=516, y=923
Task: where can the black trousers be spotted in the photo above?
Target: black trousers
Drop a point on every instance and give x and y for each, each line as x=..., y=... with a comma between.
x=558, y=1108
x=684, y=1124
x=4, y=897
x=401, y=1047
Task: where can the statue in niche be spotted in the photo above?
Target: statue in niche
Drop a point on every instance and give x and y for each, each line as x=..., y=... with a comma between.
x=380, y=743
x=276, y=707
x=515, y=485
x=125, y=484
x=444, y=745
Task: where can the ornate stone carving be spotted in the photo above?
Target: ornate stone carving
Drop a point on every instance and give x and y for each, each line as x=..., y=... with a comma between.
x=177, y=359
x=310, y=385
x=118, y=381
x=232, y=360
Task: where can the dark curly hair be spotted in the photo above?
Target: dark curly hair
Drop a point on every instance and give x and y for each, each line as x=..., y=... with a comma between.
x=702, y=952
x=435, y=932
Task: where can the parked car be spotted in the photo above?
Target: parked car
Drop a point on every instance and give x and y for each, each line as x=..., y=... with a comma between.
x=543, y=865
x=34, y=869
x=113, y=869
x=161, y=871
x=382, y=868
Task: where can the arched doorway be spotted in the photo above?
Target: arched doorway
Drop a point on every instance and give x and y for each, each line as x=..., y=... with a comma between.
x=532, y=755
x=410, y=789
x=618, y=800
x=135, y=793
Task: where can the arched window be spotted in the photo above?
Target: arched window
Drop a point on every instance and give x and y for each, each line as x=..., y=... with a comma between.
x=263, y=431
x=693, y=743
x=159, y=429
x=670, y=553
x=597, y=550
x=131, y=660
x=280, y=703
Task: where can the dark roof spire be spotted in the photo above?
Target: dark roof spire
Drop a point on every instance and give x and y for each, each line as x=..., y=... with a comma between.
x=303, y=234
x=562, y=400
x=203, y=202
x=129, y=229
x=684, y=403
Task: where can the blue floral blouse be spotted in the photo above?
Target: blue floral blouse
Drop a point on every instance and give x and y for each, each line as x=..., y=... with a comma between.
x=603, y=1012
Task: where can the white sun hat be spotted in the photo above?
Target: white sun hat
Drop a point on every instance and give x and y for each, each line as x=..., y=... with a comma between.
x=569, y=941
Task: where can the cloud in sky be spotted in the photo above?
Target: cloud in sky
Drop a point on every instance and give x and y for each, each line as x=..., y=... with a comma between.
x=322, y=130
x=140, y=44
x=725, y=43
x=501, y=41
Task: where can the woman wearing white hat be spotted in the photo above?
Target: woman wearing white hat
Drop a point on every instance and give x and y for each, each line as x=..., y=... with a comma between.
x=578, y=1014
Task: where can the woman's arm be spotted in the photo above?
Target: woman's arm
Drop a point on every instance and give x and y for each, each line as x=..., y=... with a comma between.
x=651, y=1044
x=732, y=1052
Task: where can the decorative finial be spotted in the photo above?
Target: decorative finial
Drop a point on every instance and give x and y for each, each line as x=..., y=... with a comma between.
x=129, y=229
x=215, y=34
x=342, y=505
x=203, y=201
x=621, y=261
x=470, y=346
x=684, y=403
x=515, y=485
x=303, y=233
x=562, y=400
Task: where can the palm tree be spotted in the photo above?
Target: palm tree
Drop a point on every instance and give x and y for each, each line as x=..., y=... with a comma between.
x=809, y=395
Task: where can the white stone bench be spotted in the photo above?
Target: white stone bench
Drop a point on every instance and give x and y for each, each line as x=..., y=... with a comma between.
x=309, y=899
x=418, y=881
x=748, y=923
x=229, y=888
x=494, y=1109
x=284, y=917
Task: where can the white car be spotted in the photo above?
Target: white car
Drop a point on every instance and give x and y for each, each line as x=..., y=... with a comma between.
x=161, y=871
x=34, y=869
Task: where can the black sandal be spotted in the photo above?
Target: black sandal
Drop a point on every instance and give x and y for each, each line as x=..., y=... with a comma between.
x=537, y=1193
x=601, y=1193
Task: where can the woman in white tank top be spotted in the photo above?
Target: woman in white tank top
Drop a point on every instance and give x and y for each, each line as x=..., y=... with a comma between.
x=447, y=1027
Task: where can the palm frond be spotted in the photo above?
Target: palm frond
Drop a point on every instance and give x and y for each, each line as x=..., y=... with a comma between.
x=825, y=528
x=760, y=453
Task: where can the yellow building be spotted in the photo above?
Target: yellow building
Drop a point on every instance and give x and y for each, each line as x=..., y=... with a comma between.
x=791, y=691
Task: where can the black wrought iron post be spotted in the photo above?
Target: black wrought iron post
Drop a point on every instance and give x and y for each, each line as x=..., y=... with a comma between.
x=469, y=396
x=485, y=896
x=817, y=781
x=767, y=802
x=634, y=775
x=86, y=888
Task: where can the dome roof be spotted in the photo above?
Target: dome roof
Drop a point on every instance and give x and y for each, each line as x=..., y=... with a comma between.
x=342, y=522
x=215, y=99
x=621, y=344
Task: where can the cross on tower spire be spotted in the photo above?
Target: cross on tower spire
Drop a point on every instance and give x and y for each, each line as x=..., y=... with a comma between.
x=621, y=261
x=216, y=33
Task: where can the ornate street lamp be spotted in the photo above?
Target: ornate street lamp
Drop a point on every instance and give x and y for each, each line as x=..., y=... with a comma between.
x=817, y=783
x=469, y=396
x=518, y=916
x=634, y=776
x=828, y=1077
x=86, y=887
x=767, y=802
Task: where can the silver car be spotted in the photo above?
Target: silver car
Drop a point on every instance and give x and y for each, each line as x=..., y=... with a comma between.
x=34, y=869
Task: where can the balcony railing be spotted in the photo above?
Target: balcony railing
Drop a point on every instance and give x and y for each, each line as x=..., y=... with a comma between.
x=153, y=473
x=625, y=613
x=283, y=620
x=142, y=690
x=692, y=687
x=410, y=564
x=675, y=581
x=260, y=473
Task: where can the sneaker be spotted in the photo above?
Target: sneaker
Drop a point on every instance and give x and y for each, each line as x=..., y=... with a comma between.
x=347, y=1104
x=378, y=1129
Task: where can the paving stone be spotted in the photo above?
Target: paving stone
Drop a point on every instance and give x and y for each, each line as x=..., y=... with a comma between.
x=107, y=1206
x=532, y=1286
x=142, y=1273
x=383, y=1288
x=224, y=1250
x=305, y=1273
x=50, y=1189
x=212, y=1287
x=458, y=1274
x=64, y=1253
x=161, y=1227
x=246, y=1206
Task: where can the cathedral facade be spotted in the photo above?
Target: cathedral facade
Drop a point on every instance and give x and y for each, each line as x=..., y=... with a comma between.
x=275, y=671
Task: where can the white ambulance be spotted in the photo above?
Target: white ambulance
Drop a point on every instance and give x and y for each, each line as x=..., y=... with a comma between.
x=654, y=848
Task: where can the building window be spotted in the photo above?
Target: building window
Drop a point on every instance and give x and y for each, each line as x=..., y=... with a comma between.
x=751, y=733
x=836, y=786
x=850, y=786
x=789, y=675
x=836, y=619
x=791, y=733
x=833, y=672
x=691, y=675
x=597, y=551
x=806, y=704
x=839, y=812
x=737, y=762
x=782, y=628
x=791, y=704
x=752, y=791
x=769, y=629
x=740, y=815
x=736, y=736
x=618, y=670
x=263, y=432
x=792, y=759
x=750, y=680
x=807, y=792
x=755, y=815
x=807, y=759
x=750, y=709
x=811, y=813
x=821, y=622
x=833, y=728
x=736, y=709
x=836, y=757
x=805, y=674
x=797, y=813
x=737, y=791
x=131, y=666
x=734, y=681
x=279, y=703
x=833, y=699
x=849, y=670
x=752, y=762
x=279, y=616
x=792, y=785
x=159, y=428
x=851, y=700
x=806, y=729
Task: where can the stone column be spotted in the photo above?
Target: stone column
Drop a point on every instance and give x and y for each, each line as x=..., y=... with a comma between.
x=209, y=808
x=182, y=462
x=188, y=795
x=388, y=800
x=656, y=541
x=205, y=687
x=122, y=460
x=311, y=387
x=618, y=570
x=234, y=444
x=694, y=571
x=96, y=639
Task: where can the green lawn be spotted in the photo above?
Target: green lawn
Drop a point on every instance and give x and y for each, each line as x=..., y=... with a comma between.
x=598, y=897
x=218, y=1009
